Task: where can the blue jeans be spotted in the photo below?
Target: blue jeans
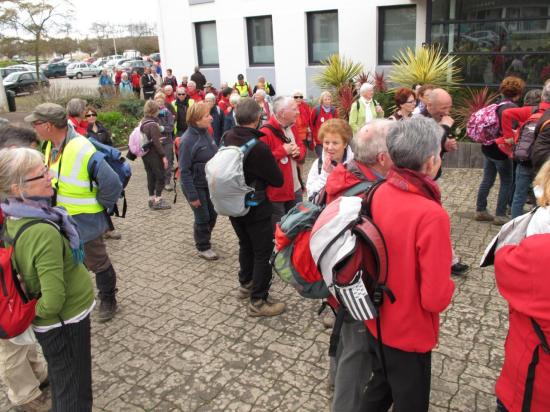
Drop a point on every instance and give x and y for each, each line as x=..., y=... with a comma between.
x=491, y=167
x=524, y=177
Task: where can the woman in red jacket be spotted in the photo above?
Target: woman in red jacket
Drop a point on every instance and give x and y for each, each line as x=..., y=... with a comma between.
x=320, y=114
x=522, y=278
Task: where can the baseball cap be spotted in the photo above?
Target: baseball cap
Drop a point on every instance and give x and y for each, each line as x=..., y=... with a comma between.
x=47, y=112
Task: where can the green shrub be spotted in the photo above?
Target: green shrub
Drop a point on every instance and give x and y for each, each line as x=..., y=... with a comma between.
x=132, y=107
x=119, y=125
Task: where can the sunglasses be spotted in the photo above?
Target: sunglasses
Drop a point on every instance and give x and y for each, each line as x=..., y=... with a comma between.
x=181, y=94
x=298, y=97
x=91, y=115
x=42, y=176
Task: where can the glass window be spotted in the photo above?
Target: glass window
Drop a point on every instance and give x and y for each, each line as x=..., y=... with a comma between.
x=26, y=76
x=322, y=35
x=260, y=40
x=207, y=44
x=397, y=31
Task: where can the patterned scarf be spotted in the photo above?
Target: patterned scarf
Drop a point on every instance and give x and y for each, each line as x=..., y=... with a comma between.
x=39, y=208
x=414, y=182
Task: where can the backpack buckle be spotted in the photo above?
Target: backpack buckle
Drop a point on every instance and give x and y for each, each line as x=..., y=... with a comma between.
x=378, y=297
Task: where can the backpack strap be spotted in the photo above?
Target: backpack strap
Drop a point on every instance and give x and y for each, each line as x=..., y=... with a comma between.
x=276, y=132
x=336, y=329
x=530, y=379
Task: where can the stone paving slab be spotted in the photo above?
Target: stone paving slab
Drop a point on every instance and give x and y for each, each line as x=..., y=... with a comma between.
x=182, y=340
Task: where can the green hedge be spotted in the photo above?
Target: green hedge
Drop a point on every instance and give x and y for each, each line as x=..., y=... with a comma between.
x=119, y=124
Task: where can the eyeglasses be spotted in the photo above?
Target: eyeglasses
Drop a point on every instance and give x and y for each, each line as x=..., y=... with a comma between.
x=298, y=97
x=181, y=94
x=410, y=101
x=91, y=115
x=42, y=176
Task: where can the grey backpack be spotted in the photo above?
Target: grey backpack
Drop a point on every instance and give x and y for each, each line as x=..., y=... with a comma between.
x=230, y=194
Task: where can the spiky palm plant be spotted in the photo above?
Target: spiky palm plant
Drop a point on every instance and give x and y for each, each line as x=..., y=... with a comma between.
x=344, y=99
x=471, y=102
x=428, y=65
x=380, y=84
x=339, y=71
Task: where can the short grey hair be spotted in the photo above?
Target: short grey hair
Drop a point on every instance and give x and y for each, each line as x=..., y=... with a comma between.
x=234, y=99
x=261, y=79
x=411, y=142
x=365, y=87
x=247, y=111
x=260, y=92
x=280, y=103
x=210, y=96
x=181, y=89
x=75, y=107
x=168, y=87
x=532, y=97
x=371, y=140
x=192, y=83
x=546, y=92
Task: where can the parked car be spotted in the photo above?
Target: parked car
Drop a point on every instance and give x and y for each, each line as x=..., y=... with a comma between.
x=23, y=67
x=155, y=57
x=118, y=63
x=8, y=70
x=482, y=38
x=57, y=69
x=21, y=82
x=79, y=70
x=138, y=65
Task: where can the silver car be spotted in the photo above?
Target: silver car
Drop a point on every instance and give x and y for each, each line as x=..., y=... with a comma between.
x=80, y=70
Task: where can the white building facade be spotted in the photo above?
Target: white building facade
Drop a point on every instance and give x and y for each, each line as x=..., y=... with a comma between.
x=284, y=40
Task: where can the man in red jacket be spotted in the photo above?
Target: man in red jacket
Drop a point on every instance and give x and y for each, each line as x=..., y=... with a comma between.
x=416, y=228
x=279, y=136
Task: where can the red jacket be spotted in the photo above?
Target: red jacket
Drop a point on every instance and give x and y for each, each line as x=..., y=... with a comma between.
x=285, y=192
x=317, y=120
x=302, y=122
x=225, y=105
x=418, y=238
x=522, y=278
x=518, y=114
x=136, y=81
x=197, y=95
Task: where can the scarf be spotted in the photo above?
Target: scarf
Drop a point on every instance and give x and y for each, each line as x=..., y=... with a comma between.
x=414, y=182
x=326, y=109
x=39, y=208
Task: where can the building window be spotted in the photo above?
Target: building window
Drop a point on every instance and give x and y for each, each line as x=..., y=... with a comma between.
x=207, y=44
x=260, y=40
x=322, y=35
x=397, y=31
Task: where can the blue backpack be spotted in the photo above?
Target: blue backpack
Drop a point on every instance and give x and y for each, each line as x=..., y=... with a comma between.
x=117, y=162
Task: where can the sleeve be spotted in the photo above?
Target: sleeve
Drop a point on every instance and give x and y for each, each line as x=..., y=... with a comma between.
x=303, y=150
x=315, y=181
x=446, y=132
x=45, y=245
x=186, y=170
x=434, y=253
x=153, y=132
x=509, y=116
x=271, y=90
x=278, y=151
x=109, y=186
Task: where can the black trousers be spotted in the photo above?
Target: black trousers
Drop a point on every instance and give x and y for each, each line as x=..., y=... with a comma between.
x=155, y=173
x=205, y=220
x=407, y=386
x=255, y=248
x=68, y=352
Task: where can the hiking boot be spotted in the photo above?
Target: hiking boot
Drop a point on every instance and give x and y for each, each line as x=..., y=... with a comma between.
x=245, y=291
x=483, y=216
x=500, y=220
x=107, y=310
x=265, y=308
x=151, y=203
x=208, y=254
x=42, y=403
x=113, y=234
x=161, y=205
x=168, y=188
x=459, y=269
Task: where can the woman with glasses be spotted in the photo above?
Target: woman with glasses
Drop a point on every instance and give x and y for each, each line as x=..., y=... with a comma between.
x=48, y=255
x=96, y=129
x=405, y=101
x=301, y=126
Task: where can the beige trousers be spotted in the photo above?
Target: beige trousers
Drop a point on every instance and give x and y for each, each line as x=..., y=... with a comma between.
x=22, y=370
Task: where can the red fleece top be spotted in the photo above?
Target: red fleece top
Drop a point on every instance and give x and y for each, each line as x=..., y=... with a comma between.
x=523, y=279
x=520, y=115
x=316, y=121
x=417, y=234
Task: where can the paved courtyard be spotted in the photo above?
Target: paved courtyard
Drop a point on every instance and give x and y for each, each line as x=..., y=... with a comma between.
x=182, y=340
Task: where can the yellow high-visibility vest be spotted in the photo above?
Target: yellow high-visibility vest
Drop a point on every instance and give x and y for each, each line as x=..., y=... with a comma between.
x=242, y=89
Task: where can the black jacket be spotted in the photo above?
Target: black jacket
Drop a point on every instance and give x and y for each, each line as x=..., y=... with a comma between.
x=260, y=168
x=181, y=107
x=199, y=79
x=148, y=82
x=541, y=147
x=217, y=123
x=102, y=135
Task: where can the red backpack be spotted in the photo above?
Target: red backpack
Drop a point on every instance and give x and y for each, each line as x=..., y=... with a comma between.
x=17, y=309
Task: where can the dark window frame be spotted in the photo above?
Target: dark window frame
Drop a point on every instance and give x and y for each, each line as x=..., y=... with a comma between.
x=381, y=18
x=309, y=27
x=198, y=42
x=249, y=21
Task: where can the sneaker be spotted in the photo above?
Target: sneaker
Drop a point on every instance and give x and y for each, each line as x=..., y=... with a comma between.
x=265, y=308
x=459, y=269
x=161, y=205
x=208, y=254
x=168, y=188
x=107, y=310
x=483, y=216
x=40, y=404
x=113, y=234
x=500, y=220
x=151, y=203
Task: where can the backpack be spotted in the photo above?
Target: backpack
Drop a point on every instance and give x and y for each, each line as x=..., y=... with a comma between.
x=229, y=193
x=118, y=163
x=524, y=137
x=17, y=309
x=138, y=142
x=484, y=125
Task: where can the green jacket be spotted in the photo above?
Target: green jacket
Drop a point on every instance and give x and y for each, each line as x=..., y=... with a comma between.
x=357, y=116
x=44, y=259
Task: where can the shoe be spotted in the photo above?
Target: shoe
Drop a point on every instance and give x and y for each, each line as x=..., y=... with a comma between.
x=40, y=404
x=151, y=203
x=168, y=188
x=483, y=216
x=208, y=254
x=265, y=308
x=500, y=220
x=328, y=320
x=113, y=234
x=107, y=310
x=245, y=291
x=459, y=269
x=161, y=205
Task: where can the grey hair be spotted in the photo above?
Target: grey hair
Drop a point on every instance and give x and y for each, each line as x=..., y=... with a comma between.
x=247, y=111
x=280, y=103
x=191, y=82
x=15, y=164
x=411, y=142
x=371, y=140
x=261, y=79
x=234, y=99
x=365, y=87
x=168, y=87
x=210, y=96
x=546, y=92
x=75, y=107
x=532, y=97
x=260, y=92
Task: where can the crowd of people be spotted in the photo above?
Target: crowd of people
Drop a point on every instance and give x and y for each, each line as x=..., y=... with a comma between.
x=185, y=124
